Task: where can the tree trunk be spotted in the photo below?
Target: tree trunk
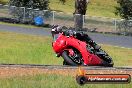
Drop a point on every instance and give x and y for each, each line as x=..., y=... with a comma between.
x=80, y=10
x=78, y=21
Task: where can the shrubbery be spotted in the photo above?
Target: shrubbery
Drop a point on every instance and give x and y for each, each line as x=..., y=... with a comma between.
x=35, y=4
x=124, y=9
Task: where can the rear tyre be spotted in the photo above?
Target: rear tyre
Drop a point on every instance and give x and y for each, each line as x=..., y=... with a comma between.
x=106, y=64
x=65, y=63
x=107, y=60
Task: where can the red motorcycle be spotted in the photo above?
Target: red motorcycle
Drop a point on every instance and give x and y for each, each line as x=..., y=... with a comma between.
x=77, y=48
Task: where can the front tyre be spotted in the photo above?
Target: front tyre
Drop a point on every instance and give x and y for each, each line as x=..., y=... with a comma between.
x=72, y=60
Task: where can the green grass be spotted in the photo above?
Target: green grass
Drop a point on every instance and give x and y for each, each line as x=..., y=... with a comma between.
x=19, y=25
x=102, y=8
x=105, y=8
x=28, y=49
x=51, y=81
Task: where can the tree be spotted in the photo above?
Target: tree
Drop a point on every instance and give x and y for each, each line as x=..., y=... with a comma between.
x=124, y=9
x=80, y=10
x=35, y=4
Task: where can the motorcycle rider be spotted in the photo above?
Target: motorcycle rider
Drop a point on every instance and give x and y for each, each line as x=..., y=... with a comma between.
x=80, y=35
x=55, y=31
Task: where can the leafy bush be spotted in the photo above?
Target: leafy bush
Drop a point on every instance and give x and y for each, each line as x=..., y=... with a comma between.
x=124, y=9
x=35, y=4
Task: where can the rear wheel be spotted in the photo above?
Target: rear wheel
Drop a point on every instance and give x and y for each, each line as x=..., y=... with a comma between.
x=73, y=60
x=107, y=60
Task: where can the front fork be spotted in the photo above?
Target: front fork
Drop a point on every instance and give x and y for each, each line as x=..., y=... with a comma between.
x=71, y=52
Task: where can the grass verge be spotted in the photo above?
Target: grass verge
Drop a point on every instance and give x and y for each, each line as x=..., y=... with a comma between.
x=19, y=25
x=51, y=81
x=30, y=49
x=103, y=8
x=25, y=49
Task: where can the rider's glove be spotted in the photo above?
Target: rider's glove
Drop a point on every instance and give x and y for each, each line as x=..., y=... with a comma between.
x=70, y=33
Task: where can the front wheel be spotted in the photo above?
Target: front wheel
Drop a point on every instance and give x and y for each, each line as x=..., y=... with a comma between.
x=74, y=60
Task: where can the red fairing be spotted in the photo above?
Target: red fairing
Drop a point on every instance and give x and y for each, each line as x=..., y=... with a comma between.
x=60, y=44
x=63, y=42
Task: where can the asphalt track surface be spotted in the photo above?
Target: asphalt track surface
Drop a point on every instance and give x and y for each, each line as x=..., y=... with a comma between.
x=65, y=67
x=115, y=40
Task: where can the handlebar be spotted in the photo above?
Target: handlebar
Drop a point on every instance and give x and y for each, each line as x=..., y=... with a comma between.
x=72, y=33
